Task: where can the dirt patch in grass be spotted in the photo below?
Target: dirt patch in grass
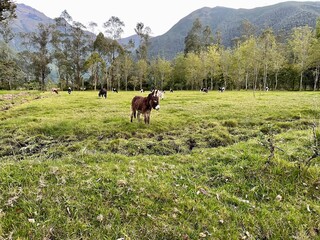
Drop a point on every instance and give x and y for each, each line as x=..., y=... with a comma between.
x=8, y=101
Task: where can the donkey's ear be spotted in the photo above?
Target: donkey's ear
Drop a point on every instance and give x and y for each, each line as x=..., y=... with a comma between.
x=151, y=94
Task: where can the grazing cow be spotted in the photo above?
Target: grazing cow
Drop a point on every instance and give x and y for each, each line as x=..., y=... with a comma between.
x=267, y=89
x=103, y=93
x=69, y=90
x=141, y=90
x=144, y=105
x=221, y=89
x=204, y=90
x=171, y=90
x=114, y=90
x=55, y=90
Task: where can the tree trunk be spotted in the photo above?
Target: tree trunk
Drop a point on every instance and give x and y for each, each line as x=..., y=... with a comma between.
x=276, y=79
x=265, y=75
x=42, y=80
x=247, y=77
x=301, y=76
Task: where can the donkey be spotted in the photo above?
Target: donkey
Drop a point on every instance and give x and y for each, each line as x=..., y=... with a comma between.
x=160, y=94
x=144, y=105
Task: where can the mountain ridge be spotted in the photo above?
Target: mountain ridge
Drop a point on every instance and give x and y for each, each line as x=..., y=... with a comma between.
x=281, y=17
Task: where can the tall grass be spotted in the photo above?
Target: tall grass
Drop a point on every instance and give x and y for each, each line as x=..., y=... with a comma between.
x=74, y=167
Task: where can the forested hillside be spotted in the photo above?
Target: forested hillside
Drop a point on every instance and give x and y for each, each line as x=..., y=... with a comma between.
x=226, y=24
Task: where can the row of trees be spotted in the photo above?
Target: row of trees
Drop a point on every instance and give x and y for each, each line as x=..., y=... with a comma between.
x=84, y=60
x=254, y=61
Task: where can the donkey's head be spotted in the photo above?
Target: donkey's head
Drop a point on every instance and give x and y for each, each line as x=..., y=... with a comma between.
x=153, y=100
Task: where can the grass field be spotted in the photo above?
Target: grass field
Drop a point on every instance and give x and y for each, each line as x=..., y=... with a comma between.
x=232, y=165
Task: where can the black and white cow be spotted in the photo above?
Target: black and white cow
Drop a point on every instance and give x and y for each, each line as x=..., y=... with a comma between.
x=204, y=90
x=221, y=89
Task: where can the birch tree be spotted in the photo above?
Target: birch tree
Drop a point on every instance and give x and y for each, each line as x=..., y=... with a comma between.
x=300, y=44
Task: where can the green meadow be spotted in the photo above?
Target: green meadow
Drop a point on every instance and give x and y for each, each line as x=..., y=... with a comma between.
x=232, y=165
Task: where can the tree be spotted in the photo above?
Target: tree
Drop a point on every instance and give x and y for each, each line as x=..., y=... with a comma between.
x=207, y=38
x=62, y=50
x=226, y=55
x=41, y=56
x=6, y=31
x=96, y=65
x=194, y=71
x=192, y=41
x=8, y=64
x=300, y=44
x=144, y=34
x=92, y=26
x=278, y=62
x=114, y=28
x=141, y=69
x=10, y=72
x=79, y=50
x=212, y=63
x=7, y=10
x=178, y=72
x=126, y=66
x=198, y=38
x=238, y=63
x=314, y=57
x=109, y=49
x=248, y=49
x=268, y=49
x=161, y=70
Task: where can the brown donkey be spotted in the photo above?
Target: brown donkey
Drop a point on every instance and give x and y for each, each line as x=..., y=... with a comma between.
x=144, y=105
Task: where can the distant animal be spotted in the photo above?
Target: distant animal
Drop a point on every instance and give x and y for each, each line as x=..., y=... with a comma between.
x=171, y=90
x=144, y=105
x=221, y=89
x=267, y=89
x=69, y=90
x=55, y=90
x=103, y=93
x=114, y=90
x=82, y=89
x=160, y=94
x=204, y=90
x=141, y=90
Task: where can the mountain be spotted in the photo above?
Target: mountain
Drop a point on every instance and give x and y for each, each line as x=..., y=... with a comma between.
x=281, y=17
x=27, y=21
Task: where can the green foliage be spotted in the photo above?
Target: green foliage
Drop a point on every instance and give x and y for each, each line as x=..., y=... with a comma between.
x=7, y=10
x=74, y=167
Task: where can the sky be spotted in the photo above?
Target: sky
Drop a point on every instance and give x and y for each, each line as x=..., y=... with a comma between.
x=159, y=15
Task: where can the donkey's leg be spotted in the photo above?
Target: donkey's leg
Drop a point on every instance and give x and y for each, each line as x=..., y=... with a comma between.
x=133, y=114
x=147, y=117
x=138, y=116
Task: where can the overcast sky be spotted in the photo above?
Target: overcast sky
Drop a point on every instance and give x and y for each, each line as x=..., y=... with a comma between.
x=159, y=15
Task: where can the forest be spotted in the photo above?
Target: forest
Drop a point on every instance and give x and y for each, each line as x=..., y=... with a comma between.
x=82, y=60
